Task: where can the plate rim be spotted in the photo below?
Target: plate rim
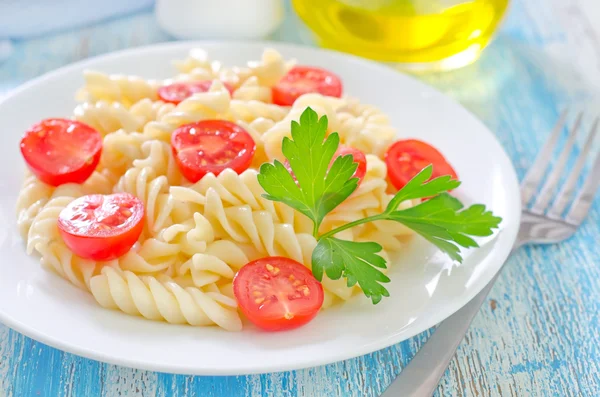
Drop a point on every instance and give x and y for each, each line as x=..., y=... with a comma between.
x=392, y=339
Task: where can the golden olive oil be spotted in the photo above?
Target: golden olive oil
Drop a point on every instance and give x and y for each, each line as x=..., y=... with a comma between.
x=420, y=34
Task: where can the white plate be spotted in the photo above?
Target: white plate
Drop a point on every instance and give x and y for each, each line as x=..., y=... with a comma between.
x=426, y=286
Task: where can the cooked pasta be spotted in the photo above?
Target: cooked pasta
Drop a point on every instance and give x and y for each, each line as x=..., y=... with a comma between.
x=268, y=71
x=117, y=88
x=364, y=127
x=153, y=190
x=196, y=59
x=251, y=90
x=161, y=298
x=120, y=149
x=107, y=117
x=198, y=235
x=32, y=198
x=201, y=106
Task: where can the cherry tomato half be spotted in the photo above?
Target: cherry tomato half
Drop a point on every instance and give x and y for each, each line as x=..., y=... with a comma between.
x=102, y=227
x=177, y=92
x=277, y=293
x=359, y=157
x=302, y=80
x=406, y=158
x=61, y=151
x=211, y=146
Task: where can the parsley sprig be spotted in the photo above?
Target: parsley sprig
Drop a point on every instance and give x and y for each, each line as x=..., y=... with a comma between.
x=320, y=188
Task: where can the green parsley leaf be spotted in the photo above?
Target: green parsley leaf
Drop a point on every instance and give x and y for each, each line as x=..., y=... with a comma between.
x=356, y=261
x=280, y=186
x=319, y=188
x=420, y=187
x=443, y=221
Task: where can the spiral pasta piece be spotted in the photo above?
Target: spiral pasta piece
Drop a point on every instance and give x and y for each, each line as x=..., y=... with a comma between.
x=160, y=298
x=249, y=111
x=257, y=228
x=117, y=88
x=151, y=256
x=153, y=190
x=239, y=190
x=197, y=59
x=220, y=260
x=57, y=257
x=107, y=117
x=191, y=235
x=148, y=110
x=268, y=71
x=120, y=149
x=159, y=156
x=364, y=127
x=251, y=90
x=34, y=194
x=256, y=128
x=44, y=227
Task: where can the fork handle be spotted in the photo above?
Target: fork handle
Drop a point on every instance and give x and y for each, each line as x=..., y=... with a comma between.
x=420, y=378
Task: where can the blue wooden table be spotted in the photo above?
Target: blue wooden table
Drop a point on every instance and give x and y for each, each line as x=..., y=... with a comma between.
x=538, y=334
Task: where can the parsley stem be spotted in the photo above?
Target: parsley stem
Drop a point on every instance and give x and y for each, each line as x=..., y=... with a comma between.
x=373, y=218
x=315, y=230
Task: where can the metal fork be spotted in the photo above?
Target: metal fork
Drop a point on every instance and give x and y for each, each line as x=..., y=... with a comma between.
x=542, y=222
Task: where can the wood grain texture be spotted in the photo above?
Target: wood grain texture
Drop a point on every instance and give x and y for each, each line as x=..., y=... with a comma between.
x=538, y=334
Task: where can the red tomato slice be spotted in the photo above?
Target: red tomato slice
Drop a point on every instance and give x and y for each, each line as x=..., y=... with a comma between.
x=302, y=80
x=211, y=146
x=406, y=158
x=277, y=293
x=60, y=151
x=102, y=227
x=359, y=157
x=177, y=92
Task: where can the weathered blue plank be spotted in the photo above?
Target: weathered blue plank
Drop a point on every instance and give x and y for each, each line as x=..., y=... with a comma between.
x=537, y=335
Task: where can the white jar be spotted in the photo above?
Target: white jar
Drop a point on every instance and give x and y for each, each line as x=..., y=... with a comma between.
x=231, y=19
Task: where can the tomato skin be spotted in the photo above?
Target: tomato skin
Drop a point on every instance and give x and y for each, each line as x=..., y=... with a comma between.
x=302, y=80
x=59, y=151
x=277, y=293
x=406, y=158
x=177, y=92
x=119, y=228
x=211, y=146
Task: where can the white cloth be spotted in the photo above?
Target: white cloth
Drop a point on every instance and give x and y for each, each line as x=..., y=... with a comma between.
x=5, y=49
x=21, y=19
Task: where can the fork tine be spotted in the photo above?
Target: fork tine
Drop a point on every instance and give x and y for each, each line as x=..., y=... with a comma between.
x=566, y=192
x=536, y=172
x=585, y=198
x=546, y=194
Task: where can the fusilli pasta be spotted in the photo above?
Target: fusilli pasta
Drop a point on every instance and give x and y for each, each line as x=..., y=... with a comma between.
x=197, y=236
x=117, y=88
x=201, y=106
x=161, y=298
